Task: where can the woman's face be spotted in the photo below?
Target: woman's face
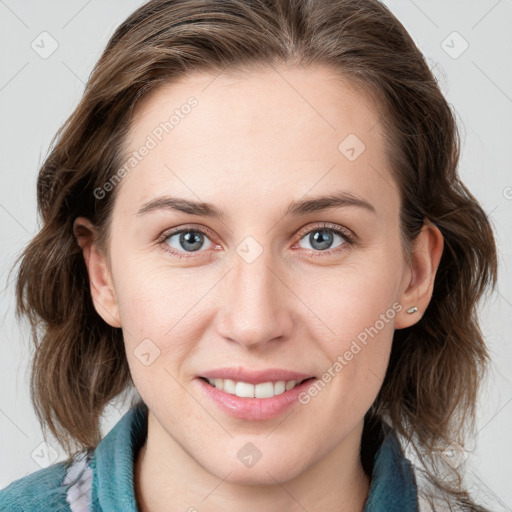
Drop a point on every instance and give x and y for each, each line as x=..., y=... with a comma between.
x=263, y=278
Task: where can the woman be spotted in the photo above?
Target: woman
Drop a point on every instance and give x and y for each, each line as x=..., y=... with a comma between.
x=328, y=299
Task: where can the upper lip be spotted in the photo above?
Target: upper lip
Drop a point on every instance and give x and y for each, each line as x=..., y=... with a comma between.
x=241, y=374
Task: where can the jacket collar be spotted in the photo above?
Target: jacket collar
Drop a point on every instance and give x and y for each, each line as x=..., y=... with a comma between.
x=393, y=485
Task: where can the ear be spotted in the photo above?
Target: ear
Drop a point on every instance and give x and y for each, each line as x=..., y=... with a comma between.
x=102, y=288
x=418, y=283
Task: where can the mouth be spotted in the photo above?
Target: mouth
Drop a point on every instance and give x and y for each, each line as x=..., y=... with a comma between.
x=259, y=400
x=243, y=389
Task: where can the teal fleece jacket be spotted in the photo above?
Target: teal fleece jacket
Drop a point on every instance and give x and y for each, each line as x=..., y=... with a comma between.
x=102, y=480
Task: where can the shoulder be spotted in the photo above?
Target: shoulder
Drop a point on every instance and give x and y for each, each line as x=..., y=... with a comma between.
x=50, y=488
x=74, y=484
x=400, y=483
x=40, y=490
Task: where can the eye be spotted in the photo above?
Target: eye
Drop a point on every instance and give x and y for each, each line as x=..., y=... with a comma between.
x=325, y=238
x=185, y=240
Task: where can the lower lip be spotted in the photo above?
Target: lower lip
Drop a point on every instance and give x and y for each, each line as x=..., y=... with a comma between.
x=254, y=409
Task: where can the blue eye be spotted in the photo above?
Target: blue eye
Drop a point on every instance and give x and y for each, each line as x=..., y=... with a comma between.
x=187, y=240
x=322, y=239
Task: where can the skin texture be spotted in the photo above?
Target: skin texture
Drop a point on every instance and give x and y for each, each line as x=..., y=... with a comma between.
x=255, y=142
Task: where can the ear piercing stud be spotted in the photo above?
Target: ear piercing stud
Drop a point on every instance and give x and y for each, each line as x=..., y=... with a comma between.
x=412, y=310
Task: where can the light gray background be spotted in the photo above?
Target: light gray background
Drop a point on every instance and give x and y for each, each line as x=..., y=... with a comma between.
x=37, y=94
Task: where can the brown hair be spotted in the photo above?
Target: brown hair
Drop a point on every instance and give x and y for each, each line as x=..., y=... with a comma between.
x=80, y=365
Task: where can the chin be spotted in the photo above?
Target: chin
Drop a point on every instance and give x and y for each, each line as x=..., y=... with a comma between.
x=262, y=472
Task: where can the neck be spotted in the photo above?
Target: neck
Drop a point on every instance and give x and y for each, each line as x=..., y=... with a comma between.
x=165, y=475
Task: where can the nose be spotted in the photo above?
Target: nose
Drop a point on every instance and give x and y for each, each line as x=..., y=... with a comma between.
x=256, y=306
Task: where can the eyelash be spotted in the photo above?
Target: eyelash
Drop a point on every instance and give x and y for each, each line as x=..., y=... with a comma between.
x=348, y=238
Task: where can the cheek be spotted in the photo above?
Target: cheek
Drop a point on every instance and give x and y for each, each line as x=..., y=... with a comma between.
x=352, y=298
x=162, y=317
x=353, y=324
x=151, y=296
x=357, y=360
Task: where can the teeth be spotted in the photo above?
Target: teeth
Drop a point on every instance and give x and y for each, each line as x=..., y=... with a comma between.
x=247, y=390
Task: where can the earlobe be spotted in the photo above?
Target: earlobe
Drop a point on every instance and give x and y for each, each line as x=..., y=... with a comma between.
x=418, y=285
x=101, y=284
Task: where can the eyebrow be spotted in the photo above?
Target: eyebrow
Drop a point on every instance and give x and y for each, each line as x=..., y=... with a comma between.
x=338, y=199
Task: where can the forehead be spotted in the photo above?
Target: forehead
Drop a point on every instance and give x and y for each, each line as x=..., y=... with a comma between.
x=257, y=133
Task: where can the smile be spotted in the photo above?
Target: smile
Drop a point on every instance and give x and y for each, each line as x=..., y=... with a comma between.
x=248, y=390
x=253, y=402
